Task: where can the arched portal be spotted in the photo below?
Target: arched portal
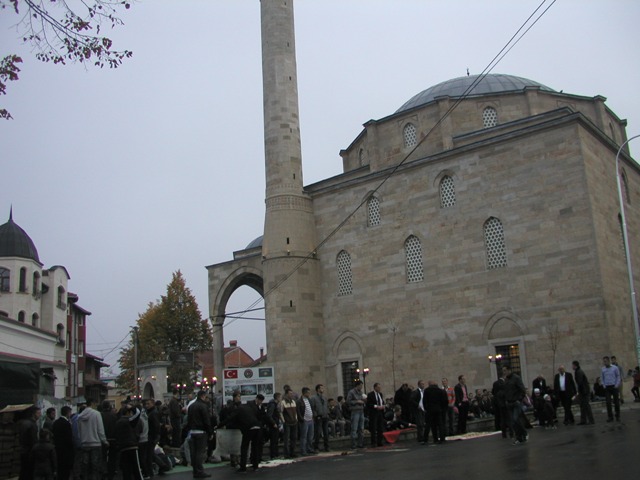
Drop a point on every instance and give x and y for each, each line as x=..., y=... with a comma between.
x=224, y=280
x=148, y=391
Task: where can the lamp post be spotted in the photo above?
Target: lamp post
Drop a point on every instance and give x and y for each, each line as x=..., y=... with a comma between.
x=364, y=372
x=625, y=240
x=135, y=361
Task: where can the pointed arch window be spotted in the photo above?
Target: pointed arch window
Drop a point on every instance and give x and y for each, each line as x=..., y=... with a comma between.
x=413, y=254
x=36, y=285
x=361, y=157
x=489, y=117
x=5, y=279
x=410, y=135
x=23, y=280
x=622, y=244
x=624, y=186
x=447, y=192
x=373, y=211
x=494, y=243
x=345, y=278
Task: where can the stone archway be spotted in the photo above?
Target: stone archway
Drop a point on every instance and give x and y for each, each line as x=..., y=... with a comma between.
x=148, y=391
x=224, y=280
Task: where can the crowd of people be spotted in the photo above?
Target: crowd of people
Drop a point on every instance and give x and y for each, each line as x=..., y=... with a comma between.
x=136, y=441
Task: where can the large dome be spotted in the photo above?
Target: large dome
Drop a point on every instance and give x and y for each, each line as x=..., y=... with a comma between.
x=490, y=84
x=14, y=242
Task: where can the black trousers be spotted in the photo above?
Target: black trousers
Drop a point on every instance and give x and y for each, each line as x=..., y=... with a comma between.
x=376, y=427
x=463, y=413
x=130, y=465
x=253, y=437
x=609, y=394
x=565, y=400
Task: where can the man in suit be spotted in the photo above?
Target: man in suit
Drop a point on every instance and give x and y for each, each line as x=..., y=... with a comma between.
x=462, y=403
x=565, y=388
x=63, y=442
x=375, y=407
x=436, y=403
x=417, y=410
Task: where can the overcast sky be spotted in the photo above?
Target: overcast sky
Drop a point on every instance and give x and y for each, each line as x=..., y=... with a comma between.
x=125, y=176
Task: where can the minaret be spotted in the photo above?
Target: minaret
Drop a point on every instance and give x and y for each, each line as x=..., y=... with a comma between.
x=293, y=309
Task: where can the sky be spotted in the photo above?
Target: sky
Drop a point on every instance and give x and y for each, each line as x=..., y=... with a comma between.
x=125, y=176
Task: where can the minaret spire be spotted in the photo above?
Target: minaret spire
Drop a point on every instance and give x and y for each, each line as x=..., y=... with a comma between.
x=293, y=308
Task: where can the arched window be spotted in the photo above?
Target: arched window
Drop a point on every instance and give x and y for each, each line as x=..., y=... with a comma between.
x=5, y=279
x=494, y=242
x=447, y=192
x=36, y=284
x=361, y=157
x=622, y=244
x=624, y=186
x=21, y=316
x=410, y=136
x=23, y=280
x=413, y=253
x=61, y=298
x=373, y=211
x=34, y=319
x=489, y=117
x=345, y=286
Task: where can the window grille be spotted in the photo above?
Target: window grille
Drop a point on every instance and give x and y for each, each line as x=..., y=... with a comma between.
x=373, y=210
x=361, y=157
x=447, y=192
x=489, y=117
x=344, y=274
x=349, y=376
x=413, y=251
x=494, y=240
x=410, y=137
x=510, y=356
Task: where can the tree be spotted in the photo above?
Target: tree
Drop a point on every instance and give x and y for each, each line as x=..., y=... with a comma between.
x=173, y=324
x=67, y=37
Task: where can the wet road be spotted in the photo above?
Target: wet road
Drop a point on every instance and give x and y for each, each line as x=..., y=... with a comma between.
x=603, y=451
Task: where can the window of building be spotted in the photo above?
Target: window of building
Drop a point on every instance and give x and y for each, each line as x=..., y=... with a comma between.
x=373, y=211
x=510, y=355
x=5, y=279
x=447, y=192
x=344, y=274
x=80, y=348
x=489, y=117
x=349, y=376
x=62, y=304
x=410, y=136
x=494, y=242
x=622, y=245
x=624, y=186
x=36, y=285
x=34, y=319
x=413, y=252
x=23, y=280
x=21, y=316
x=361, y=157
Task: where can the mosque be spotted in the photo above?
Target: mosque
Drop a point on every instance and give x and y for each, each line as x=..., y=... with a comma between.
x=477, y=224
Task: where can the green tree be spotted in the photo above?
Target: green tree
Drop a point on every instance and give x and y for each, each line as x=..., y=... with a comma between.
x=173, y=324
x=65, y=34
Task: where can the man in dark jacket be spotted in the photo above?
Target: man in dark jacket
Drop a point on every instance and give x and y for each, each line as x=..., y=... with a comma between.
x=175, y=415
x=586, y=415
x=127, y=440
x=436, y=404
x=63, y=442
x=199, y=419
x=565, y=389
x=110, y=453
x=153, y=417
x=27, y=429
x=502, y=420
x=514, y=392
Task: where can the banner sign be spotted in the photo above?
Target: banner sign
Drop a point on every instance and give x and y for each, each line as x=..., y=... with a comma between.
x=249, y=382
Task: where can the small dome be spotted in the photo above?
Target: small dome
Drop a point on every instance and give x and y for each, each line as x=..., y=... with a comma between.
x=490, y=84
x=255, y=243
x=14, y=242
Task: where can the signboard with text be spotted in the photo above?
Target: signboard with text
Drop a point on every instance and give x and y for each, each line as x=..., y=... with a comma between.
x=249, y=382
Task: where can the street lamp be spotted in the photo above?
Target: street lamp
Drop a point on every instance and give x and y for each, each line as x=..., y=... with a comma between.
x=625, y=239
x=364, y=372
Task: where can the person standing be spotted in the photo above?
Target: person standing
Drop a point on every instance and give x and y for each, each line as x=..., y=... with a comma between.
x=586, y=415
x=451, y=399
x=435, y=404
x=462, y=403
x=27, y=430
x=92, y=441
x=306, y=415
x=418, y=413
x=321, y=423
x=500, y=406
x=49, y=418
x=610, y=376
x=565, y=388
x=273, y=412
x=110, y=454
x=375, y=408
x=175, y=416
x=514, y=392
x=614, y=362
x=355, y=401
x=43, y=456
x=63, y=443
x=289, y=411
x=199, y=421
x=153, y=435
x=127, y=440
